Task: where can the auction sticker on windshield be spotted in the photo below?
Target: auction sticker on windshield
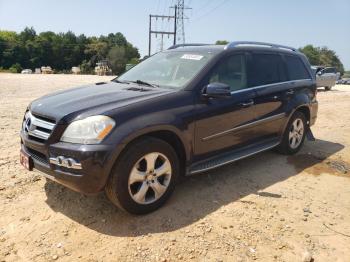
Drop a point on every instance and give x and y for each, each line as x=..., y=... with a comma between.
x=192, y=57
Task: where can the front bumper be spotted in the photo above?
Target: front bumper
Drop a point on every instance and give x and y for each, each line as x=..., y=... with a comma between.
x=94, y=159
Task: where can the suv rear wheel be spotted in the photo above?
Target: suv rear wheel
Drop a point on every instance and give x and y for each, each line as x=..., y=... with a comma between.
x=294, y=135
x=144, y=176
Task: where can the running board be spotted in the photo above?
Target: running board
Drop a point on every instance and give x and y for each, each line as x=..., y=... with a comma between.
x=232, y=156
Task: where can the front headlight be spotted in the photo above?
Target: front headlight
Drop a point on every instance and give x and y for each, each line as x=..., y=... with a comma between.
x=91, y=130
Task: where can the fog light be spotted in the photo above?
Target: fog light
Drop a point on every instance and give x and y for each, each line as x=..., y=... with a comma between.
x=65, y=162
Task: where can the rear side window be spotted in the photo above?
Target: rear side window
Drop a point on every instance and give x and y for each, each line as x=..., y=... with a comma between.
x=265, y=69
x=296, y=68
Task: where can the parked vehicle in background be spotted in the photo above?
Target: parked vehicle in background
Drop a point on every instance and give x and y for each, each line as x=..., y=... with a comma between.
x=343, y=81
x=26, y=71
x=76, y=70
x=325, y=76
x=46, y=70
x=339, y=82
x=180, y=112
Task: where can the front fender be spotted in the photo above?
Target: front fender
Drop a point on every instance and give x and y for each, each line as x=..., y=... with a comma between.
x=143, y=125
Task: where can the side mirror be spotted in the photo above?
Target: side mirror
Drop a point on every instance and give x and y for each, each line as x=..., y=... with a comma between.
x=217, y=90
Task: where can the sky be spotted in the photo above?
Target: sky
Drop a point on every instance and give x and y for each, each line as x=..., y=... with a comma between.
x=294, y=23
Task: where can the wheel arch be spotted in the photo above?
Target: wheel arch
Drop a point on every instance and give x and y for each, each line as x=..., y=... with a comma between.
x=168, y=134
x=303, y=108
x=173, y=140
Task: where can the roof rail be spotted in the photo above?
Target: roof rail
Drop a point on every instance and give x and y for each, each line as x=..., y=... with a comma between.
x=237, y=43
x=184, y=45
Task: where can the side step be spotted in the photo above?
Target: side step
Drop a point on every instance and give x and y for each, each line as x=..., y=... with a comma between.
x=234, y=155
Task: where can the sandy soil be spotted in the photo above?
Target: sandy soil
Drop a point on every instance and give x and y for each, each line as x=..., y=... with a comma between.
x=266, y=208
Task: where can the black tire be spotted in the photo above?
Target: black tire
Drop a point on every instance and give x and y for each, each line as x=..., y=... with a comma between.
x=328, y=88
x=117, y=188
x=285, y=146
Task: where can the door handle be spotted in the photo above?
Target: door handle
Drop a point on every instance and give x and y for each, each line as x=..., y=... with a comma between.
x=290, y=92
x=247, y=104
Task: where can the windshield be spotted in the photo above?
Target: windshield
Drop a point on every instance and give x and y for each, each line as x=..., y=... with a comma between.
x=168, y=69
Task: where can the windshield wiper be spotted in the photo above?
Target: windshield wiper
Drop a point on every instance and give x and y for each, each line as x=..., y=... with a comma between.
x=140, y=82
x=122, y=82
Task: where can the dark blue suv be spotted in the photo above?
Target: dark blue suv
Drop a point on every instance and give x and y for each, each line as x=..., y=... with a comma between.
x=184, y=111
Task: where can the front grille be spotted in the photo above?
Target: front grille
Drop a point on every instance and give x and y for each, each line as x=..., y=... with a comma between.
x=38, y=128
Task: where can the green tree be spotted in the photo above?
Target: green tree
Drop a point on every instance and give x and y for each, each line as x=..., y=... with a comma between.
x=117, y=59
x=346, y=74
x=221, y=42
x=322, y=56
x=15, y=68
x=64, y=50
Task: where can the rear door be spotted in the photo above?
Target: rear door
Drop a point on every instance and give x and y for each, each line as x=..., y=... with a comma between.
x=268, y=77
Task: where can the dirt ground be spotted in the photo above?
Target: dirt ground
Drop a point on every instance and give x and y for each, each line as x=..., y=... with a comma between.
x=268, y=207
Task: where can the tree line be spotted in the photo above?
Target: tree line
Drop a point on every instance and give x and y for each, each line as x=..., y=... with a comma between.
x=321, y=56
x=62, y=51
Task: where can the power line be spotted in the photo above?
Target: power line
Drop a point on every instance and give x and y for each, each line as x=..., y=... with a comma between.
x=210, y=11
x=204, y=6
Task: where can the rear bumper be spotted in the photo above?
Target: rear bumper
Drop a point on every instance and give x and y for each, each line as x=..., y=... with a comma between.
x=94, y=160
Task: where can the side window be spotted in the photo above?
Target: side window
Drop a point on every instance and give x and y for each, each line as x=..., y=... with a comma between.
x=266, y=69
x=296, y=68
x=231, y=71
x=330, y=70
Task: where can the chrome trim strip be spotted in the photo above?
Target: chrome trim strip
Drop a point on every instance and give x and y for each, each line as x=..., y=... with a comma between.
x=39, y=122
x=38, y=134
x=42, y=123
x=234, y=159
x=274, y=84
x=267, y=119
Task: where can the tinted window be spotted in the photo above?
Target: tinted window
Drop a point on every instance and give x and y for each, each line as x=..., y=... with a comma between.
x=231, y=71
x=296, y=68
x=266, y=69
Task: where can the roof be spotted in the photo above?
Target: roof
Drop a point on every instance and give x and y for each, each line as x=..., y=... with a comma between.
x=241, y=45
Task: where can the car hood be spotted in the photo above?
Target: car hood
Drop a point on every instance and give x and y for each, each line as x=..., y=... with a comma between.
x=92, y=99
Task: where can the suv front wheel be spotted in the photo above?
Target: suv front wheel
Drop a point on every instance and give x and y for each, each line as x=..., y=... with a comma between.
x=144, y=176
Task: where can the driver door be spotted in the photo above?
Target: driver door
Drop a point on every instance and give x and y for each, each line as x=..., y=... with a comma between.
x=222, y=123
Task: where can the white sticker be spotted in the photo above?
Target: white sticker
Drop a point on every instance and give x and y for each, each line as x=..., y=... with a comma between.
x=192, y=57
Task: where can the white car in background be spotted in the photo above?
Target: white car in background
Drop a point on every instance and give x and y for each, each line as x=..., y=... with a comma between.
x=26, y=71
x=325, y=76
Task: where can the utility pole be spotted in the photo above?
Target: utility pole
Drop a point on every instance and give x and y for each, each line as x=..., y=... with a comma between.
x=161, y=33
x=180, y=17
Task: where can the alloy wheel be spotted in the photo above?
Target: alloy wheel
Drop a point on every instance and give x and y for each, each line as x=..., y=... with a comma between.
x=296, y=133
x=149, y=178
